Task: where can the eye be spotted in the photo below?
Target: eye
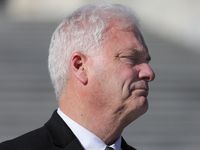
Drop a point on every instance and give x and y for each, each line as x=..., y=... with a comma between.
x=131, y=60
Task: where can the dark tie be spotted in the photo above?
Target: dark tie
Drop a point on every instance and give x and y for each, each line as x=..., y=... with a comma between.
x=109, y=148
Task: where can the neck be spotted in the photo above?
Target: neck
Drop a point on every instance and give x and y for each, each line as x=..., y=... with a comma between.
x=92, y=113
x=96, y=120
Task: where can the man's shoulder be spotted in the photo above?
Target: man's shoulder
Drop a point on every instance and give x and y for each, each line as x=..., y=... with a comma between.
x=51, y=136
x=30, y=141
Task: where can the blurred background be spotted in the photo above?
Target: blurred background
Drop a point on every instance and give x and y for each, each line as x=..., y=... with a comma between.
x=172, y=32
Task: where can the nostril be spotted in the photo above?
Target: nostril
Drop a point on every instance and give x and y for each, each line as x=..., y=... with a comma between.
x=146, y=79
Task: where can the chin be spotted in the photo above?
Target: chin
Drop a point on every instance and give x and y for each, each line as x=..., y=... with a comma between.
x=144, y=106
x=137, y=113
x=137, y=110
x=141, y=109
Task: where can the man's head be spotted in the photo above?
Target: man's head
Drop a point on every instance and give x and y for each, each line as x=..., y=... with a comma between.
x=85, y=31
x=98, y=63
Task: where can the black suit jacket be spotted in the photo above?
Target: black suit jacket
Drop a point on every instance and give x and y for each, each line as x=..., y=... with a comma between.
x=54, y=135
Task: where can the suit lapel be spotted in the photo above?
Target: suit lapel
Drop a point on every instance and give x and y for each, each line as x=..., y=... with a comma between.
x=125, y=146
x=61, y=135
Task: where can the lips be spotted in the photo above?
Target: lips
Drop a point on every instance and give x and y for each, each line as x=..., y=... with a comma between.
x=143, y=92
x=141, y=88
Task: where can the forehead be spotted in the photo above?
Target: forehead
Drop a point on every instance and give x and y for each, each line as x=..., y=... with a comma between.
x=126, y=41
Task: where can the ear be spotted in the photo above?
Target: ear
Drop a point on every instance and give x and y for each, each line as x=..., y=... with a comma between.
x=77, y=65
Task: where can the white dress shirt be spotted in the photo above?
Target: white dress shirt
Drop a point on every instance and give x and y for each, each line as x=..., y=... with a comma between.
x=88, y=140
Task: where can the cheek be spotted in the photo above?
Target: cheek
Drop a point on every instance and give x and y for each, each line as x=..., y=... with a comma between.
x=126, y=75
x=121, y=81
x=129, y=78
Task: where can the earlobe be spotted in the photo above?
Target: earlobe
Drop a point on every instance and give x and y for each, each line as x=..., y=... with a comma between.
x=77, y=65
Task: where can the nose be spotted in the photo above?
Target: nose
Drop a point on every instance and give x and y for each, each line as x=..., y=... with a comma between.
x=146, y=73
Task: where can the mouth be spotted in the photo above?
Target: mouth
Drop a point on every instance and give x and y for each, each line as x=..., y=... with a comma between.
x=144, y=93
x=141, y=90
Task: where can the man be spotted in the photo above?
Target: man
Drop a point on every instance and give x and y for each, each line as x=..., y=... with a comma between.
x=98, y=63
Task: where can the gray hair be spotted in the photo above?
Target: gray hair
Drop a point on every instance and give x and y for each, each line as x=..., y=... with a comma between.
x=84, y=31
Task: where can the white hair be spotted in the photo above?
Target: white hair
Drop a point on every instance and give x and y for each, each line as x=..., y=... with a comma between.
x=84, y=31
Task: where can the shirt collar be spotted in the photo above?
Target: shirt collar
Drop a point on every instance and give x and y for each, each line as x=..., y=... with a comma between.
x=88, y=140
